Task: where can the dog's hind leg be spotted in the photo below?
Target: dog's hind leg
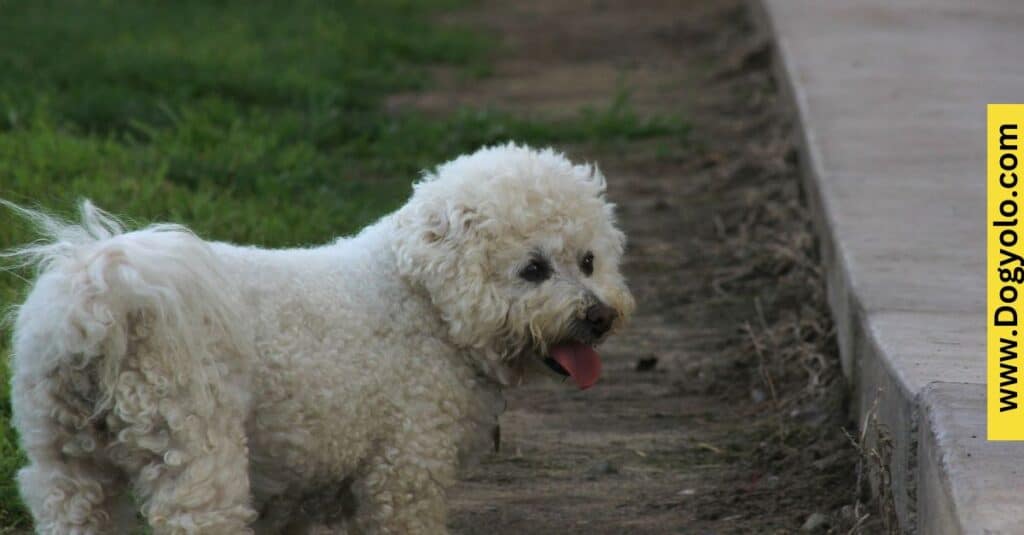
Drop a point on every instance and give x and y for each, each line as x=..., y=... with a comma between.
x=186, y=450
x=76, y=496
x=153, y=317
x=69, y=484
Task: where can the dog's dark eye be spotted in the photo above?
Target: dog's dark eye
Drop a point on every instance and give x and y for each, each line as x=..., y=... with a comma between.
x=587, y=264
x=536, y=271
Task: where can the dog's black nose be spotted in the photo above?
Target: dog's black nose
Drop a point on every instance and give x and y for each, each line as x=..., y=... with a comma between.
x=600, y=318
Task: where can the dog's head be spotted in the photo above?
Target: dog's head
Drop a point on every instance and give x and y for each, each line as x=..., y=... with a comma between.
x=518, y=250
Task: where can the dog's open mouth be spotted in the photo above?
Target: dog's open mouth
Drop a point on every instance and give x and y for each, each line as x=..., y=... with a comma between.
x=577, y=360
x=555, y=366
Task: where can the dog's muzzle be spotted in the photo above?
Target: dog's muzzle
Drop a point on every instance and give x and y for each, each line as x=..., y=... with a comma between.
x=575, y=357
x=599, y=319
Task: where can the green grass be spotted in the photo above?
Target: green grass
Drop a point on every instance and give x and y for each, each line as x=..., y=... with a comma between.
x=257, y=122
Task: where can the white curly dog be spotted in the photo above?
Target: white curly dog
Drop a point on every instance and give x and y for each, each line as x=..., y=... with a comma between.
x=228, y=389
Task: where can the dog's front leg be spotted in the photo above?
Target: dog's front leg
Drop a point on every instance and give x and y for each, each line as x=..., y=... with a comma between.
x=402, y=489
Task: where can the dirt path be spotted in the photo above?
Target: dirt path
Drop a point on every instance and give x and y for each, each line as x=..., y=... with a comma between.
x=720, y=410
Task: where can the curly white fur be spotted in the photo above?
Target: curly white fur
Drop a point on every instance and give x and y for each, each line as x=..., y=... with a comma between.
x=332, y=389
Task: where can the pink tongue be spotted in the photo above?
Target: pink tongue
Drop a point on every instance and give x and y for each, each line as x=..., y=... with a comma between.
x=580, y=360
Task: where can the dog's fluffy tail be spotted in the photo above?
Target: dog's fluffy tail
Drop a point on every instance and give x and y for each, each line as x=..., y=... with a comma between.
x=100, y=291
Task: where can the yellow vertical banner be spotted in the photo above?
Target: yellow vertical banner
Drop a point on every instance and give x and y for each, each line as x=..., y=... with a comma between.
x=1005, y=276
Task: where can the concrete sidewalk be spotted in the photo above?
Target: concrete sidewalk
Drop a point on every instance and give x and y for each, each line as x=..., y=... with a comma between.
x=890, y=96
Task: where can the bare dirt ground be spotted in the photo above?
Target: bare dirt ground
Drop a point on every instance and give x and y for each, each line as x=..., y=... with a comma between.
x=722, y=408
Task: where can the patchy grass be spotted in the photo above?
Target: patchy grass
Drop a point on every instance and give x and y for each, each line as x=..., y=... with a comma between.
x=253, y=122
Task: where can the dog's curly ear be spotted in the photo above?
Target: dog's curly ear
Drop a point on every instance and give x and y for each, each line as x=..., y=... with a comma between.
x=451, y=223
x=439, y=246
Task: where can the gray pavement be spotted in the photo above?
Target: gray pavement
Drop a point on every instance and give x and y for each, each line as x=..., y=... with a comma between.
x=890, y=96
